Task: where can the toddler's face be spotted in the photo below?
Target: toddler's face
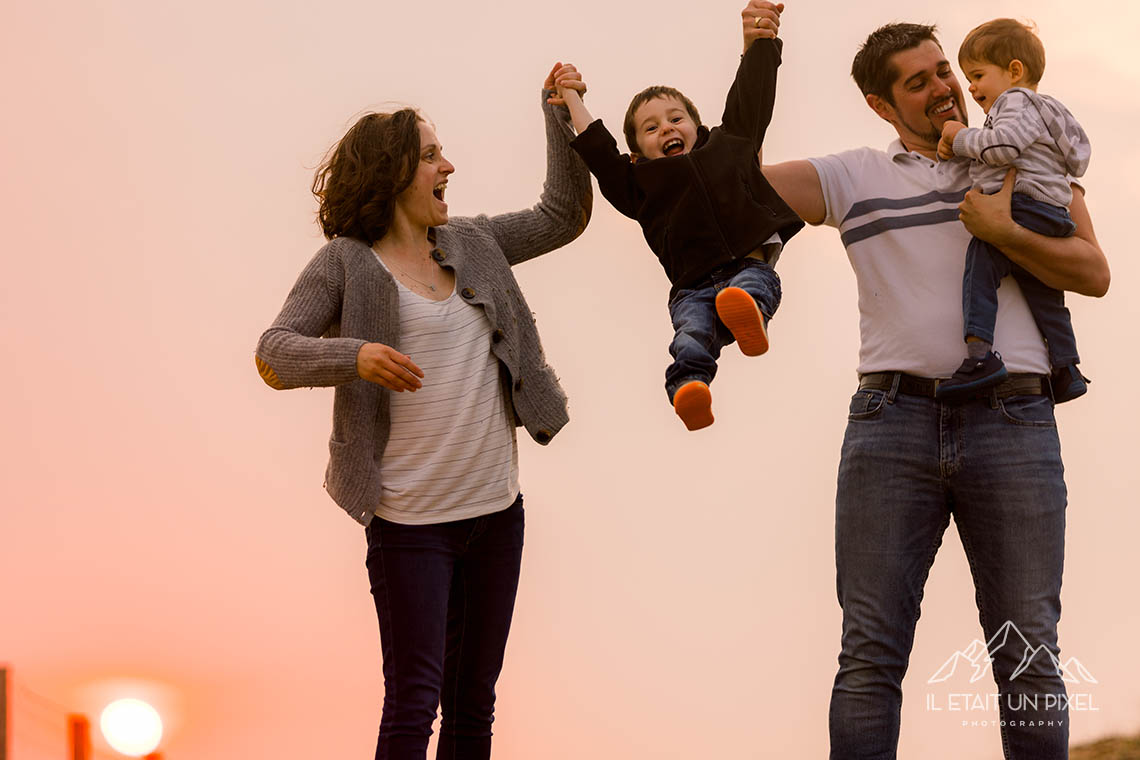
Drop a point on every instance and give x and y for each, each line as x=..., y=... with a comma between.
x=664, y=128
x=987, y=81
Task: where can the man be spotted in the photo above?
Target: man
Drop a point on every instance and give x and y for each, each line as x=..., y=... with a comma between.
x=909, y=463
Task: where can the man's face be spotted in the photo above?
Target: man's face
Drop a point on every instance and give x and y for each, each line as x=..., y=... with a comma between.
x=926, y=95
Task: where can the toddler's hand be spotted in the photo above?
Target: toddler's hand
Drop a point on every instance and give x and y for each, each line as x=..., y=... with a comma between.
x=946, y=145
x=564, y=76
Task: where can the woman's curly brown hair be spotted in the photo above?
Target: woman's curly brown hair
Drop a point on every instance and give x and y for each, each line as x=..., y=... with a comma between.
x=357, y=183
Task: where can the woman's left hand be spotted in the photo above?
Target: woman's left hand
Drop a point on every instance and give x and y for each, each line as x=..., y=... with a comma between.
x=987, y=217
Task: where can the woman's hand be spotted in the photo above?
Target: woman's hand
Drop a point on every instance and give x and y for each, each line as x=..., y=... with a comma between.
x=386, y=366
x=761, y=20
x=987, y=217
x=562, y=77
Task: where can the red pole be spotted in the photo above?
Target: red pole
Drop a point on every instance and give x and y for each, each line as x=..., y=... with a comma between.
x=79, y=737
x=5, y=709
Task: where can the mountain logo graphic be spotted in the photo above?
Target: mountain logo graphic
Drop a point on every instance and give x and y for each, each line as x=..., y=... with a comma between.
x=977, y=658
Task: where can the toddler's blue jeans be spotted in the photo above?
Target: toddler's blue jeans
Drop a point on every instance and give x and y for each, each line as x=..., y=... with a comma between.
x=986, y=266
x=700, y=335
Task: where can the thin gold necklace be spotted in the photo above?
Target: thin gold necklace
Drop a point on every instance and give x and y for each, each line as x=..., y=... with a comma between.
x=406, y=273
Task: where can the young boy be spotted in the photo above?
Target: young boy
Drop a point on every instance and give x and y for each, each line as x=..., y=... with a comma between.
x=707, y=212
x=1003, y=61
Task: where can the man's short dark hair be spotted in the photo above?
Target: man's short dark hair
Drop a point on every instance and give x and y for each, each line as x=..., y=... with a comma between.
x=872, y=68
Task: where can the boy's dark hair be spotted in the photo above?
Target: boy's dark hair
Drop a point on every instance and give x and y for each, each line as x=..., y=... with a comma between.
x=1001, y=41
x=643, y=97
x=357, y=183
x=872, y=68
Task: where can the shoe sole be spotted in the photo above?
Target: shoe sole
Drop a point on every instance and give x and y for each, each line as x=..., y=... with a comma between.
x=943, y=393
x=743, y=319
x=693, y=404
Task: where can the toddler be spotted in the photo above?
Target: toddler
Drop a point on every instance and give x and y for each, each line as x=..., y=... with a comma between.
x=1003, y=61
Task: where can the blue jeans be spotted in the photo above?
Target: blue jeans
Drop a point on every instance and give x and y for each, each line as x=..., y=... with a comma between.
x=909, y=464
x=444, y=596
x=700, y=335
x=986, y=266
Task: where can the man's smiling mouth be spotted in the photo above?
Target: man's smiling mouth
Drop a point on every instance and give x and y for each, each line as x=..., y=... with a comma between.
x=943, y=108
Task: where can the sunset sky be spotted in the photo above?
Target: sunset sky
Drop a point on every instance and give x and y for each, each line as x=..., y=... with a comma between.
x=163, y=530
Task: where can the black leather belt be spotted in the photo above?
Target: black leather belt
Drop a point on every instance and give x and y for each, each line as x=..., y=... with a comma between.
x=1017, y=384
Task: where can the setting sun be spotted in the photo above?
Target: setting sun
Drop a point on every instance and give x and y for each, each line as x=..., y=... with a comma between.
x=131, y=727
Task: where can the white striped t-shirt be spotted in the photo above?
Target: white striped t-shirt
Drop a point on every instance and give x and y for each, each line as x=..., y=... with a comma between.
x=452, y=451
x=897, y=215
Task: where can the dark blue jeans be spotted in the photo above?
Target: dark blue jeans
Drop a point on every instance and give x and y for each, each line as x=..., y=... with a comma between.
x=444, y=596
x=986, y=266
x=700, y=335
x=909, y=464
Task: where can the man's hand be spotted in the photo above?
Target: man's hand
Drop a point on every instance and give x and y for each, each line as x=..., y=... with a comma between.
x=561, y=78
x=946, y=145
x=987, y=217
x=384, y=365
x=761, y=20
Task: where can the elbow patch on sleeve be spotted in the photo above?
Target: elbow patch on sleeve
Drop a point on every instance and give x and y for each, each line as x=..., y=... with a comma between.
x=1006, y=153
x=267, y=374
x=584, y=214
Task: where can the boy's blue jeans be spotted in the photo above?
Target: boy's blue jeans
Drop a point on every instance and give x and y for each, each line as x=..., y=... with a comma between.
x=700, y=335
x=908, y=465
x=444, y=595
x=986, y=265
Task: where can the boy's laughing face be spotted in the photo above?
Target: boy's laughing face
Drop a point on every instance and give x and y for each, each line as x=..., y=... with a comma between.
x=664, y=128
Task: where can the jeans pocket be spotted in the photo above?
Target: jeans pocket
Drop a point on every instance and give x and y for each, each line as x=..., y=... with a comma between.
x=866, y=405
x=1030, y=411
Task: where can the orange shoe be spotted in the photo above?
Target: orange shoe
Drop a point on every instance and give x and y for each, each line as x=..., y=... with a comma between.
x=693, y=404
x=742, y=317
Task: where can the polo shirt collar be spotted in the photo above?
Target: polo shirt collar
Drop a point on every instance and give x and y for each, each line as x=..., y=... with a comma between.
x=897, y=151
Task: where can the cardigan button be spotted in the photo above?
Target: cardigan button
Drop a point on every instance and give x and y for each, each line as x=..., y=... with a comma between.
x=543, y=436
x=438, y=254
x=467, y=293
x=496, y=336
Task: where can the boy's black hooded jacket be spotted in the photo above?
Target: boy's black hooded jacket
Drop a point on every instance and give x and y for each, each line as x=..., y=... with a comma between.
x=712, y=205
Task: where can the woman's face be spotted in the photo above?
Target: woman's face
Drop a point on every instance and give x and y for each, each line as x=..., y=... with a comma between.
x=422, y=202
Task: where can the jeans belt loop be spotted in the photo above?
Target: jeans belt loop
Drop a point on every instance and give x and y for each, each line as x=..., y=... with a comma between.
x=894, y=388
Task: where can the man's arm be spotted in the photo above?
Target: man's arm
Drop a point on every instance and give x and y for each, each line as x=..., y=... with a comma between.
x=1073, y=263
x=798, y=184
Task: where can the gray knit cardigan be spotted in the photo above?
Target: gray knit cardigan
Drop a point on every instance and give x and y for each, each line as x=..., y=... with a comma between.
x=344, y=298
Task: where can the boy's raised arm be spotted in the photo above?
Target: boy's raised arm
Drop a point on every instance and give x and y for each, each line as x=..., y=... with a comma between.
x=596, y=145
x=748, y=107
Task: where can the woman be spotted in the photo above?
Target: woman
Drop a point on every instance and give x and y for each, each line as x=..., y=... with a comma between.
x=419, y=323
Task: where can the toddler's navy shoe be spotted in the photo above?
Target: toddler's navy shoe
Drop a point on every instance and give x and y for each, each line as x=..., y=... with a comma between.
x=973, y=376
x=1068, y=383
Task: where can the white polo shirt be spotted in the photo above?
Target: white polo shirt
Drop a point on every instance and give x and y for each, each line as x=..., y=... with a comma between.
x=897, y=215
